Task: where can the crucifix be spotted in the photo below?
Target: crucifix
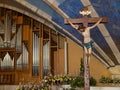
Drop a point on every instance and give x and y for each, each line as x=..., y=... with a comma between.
x=84, y=29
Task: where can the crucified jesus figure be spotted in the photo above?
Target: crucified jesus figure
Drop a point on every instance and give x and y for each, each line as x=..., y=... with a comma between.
x=84, y=29
x=87, y=42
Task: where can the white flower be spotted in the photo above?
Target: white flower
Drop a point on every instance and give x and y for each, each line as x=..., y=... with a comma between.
x=46, y=80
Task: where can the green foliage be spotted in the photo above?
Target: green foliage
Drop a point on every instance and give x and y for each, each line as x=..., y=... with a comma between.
x=108, y=80
x=78, y=82
x=93, y=82
x=103, y=79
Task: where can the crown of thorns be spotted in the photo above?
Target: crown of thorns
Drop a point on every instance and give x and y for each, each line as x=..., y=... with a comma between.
x=85, y=11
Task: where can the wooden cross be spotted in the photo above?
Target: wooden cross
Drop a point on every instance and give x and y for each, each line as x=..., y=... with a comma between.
x=85, y=20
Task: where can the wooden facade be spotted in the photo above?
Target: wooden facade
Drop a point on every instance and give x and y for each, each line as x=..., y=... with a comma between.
x=29, y=50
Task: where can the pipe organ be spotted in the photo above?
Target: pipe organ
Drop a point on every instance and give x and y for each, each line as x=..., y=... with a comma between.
x=28, y=48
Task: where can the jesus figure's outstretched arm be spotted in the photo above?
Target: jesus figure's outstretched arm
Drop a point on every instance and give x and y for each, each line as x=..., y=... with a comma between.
x=95, y=24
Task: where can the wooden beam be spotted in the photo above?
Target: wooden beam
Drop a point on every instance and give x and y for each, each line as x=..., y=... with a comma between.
x=95, y=19
x=84, y=19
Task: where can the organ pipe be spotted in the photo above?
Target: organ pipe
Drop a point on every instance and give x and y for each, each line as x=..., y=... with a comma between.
x=46, y=57
x=7, y=62
x=1, y=27
x=36, y=53
x=19, y=62
x=18, y=39
x=65, y=57
x=25, y=56
x=7, y=30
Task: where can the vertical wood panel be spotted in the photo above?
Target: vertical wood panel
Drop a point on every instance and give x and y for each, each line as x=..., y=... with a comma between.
x=30, y=49
x=61, y=61
x=20, y=20
x=41, y=54
x=25, y=33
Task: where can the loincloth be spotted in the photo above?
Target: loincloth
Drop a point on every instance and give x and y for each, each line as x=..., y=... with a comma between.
x=89, y=44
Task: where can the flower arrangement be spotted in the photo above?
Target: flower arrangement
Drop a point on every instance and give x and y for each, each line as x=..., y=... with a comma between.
x=46, y=83
x=32, y=86
x=57, y=79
